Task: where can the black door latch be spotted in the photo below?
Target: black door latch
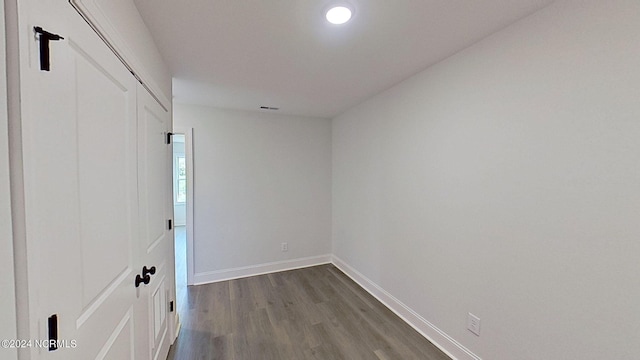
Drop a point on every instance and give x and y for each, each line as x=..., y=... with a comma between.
x=45, y=37
x=53, y=332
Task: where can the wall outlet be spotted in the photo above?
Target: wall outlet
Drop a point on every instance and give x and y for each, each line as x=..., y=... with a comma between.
x=284, y=247
x=473, y=324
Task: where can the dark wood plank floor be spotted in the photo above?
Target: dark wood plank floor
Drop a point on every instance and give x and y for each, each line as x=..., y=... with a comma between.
x=313, y=313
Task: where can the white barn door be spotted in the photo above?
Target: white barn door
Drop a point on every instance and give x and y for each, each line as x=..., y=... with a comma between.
x=95, y=201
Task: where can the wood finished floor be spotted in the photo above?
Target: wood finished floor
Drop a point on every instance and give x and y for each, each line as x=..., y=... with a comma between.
x=313, y=313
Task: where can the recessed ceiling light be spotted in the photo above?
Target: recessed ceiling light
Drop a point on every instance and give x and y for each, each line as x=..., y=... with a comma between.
x=338, y=14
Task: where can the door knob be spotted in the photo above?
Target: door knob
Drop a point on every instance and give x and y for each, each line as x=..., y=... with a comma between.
x=148, y=271
x=142, y=279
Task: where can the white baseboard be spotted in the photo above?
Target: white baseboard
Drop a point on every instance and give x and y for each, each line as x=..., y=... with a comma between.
x=439, y=338
x=253, y=270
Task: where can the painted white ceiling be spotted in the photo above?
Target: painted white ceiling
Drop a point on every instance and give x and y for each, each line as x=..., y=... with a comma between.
x=243, y=54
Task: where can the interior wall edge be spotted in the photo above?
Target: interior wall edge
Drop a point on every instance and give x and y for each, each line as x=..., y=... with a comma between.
x=8, y=318
x=16, y=180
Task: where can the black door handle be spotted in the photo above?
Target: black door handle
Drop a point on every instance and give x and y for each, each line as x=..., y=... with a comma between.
x=149, y=271
x=142, y=279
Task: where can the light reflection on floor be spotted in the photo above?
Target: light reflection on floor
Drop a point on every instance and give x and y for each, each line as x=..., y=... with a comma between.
x=181, y=267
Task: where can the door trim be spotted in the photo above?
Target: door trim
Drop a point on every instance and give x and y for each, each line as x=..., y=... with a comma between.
x=174, y=322
x=188, y=153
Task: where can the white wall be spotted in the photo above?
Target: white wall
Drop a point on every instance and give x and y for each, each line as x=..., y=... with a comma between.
x=259, y=180
x=505, y=181
x=7, y=281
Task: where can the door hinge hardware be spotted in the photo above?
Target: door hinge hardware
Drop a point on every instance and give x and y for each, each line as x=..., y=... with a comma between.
x=53, y=332
x=45, y=37
x=170, y=223
x=169, y=138
x=170, y=306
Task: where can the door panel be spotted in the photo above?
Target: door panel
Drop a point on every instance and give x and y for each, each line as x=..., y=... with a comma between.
x=158, y=301
x=103, y=132
x=154, y=175
x=153, y=131
x=120, y=345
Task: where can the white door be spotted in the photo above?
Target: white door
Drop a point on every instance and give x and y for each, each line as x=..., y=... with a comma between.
x=154, y=174
x=82, y=216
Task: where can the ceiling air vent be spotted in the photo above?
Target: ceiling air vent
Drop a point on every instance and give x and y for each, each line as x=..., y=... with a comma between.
x=269, y=108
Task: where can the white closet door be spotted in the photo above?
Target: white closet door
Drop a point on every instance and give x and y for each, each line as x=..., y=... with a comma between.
x=79, y=128
x=156, y=238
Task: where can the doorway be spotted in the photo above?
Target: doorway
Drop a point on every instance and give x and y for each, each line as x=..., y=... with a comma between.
x=180, y=186
x=182, y=159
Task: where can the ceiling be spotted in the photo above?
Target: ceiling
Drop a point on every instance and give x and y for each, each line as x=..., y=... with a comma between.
x=243, y=54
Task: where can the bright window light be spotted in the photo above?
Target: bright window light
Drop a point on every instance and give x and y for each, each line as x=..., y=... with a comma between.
x=338, y=15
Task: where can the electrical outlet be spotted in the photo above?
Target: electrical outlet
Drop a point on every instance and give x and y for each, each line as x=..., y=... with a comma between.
x=473, y=324
x=284, y=247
